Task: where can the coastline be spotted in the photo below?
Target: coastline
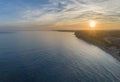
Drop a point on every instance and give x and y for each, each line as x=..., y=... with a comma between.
x=109, y=41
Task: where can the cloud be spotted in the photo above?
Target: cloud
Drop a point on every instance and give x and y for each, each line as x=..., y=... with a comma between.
x=56, y=12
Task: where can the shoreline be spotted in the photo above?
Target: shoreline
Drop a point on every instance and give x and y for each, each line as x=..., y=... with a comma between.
x=109, y=41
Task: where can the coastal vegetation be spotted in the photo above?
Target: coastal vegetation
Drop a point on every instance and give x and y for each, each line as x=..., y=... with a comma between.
x=107, y=40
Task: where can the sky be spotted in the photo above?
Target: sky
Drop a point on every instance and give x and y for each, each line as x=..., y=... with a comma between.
x=59, y=14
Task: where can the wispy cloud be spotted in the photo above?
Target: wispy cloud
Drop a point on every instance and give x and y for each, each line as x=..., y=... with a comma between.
x=70, y=9
x=74, y=11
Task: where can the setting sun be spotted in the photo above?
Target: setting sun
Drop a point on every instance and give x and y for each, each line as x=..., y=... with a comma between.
x=92, y=24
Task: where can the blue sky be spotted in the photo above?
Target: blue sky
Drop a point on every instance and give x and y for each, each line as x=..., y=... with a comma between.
x=11, y=10
x=58, y=13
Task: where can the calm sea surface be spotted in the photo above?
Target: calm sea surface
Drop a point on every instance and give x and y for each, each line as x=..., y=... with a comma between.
x=49, y=56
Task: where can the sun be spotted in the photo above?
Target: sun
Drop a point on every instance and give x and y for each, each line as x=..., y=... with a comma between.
x=92, y=24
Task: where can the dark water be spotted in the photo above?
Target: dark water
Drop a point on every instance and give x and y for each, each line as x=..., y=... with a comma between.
x=36, y=56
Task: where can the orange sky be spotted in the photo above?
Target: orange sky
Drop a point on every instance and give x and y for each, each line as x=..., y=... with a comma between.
x=60, y=15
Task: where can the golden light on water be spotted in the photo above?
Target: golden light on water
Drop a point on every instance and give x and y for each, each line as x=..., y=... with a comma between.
x=92, y=24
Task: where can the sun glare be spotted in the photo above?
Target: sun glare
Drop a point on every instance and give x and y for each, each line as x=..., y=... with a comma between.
x=92, y=24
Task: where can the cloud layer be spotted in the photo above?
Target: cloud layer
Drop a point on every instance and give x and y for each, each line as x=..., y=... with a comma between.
x=70, y=12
